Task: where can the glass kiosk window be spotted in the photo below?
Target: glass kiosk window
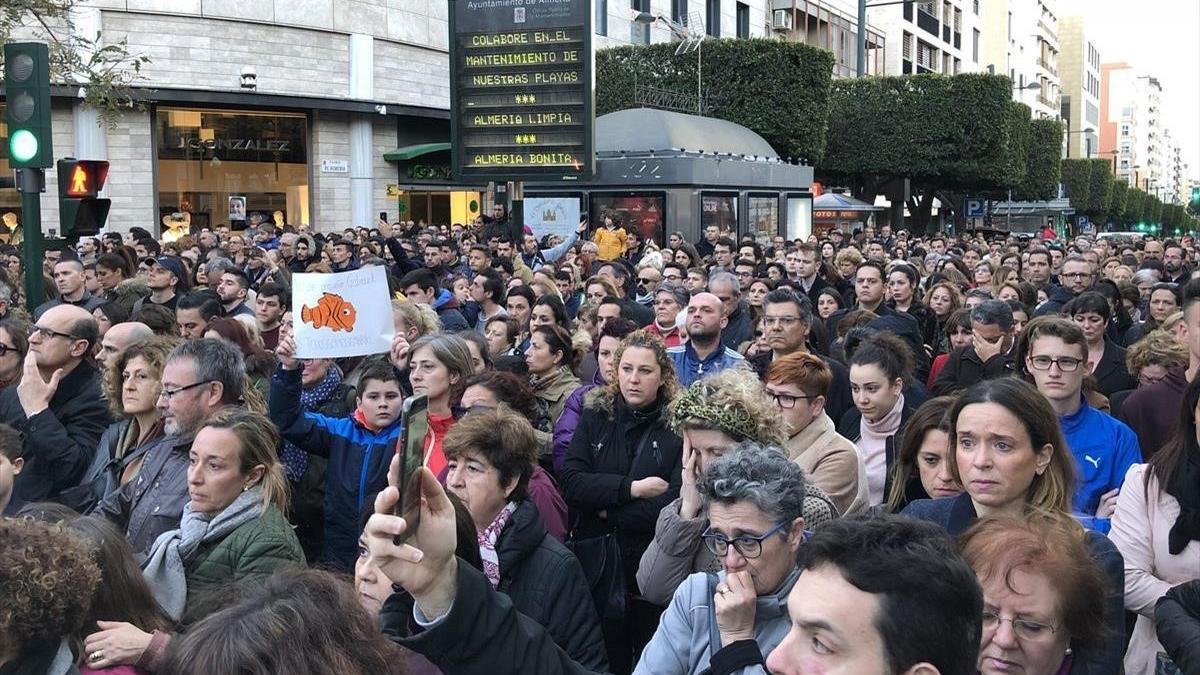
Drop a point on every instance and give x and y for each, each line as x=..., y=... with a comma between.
x=233, y=166
x=640, y=211
x=720, y=210
x=762, y=217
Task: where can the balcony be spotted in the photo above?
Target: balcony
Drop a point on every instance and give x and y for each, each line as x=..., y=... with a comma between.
x=927, y=23
x=1047, y=101
x=1047, y=65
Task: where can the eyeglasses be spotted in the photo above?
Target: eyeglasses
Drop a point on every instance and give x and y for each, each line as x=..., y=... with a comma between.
x=749, y=547
x=1067, y=364
x=786, y=401
x=1076, y=275
x=4, y=349
x=1024, y=628
x=172, y=393
x=48, y=333
x=784, y=321
x=672, y=277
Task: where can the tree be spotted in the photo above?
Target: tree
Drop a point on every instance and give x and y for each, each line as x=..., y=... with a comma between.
x=788, y=106
x=1077, y=179
x=1134, y=200
x=1116, y=203
x=104, y=72
x=1042, y=165
x=1099, y=188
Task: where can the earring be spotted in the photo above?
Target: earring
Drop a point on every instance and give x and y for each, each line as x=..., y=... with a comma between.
x=1070, y=651
x=245, y=487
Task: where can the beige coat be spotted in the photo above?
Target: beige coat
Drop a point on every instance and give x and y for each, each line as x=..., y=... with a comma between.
x=1139, y=531
x=832, y=463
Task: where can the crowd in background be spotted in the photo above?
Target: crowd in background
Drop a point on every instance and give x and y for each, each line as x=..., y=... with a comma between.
x=864, y=452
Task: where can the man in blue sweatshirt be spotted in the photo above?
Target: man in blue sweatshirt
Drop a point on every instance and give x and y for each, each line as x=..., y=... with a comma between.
x=1104, y=448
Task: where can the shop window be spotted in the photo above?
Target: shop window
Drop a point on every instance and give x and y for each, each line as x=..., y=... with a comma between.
x=643, y=212
x=762, y=217
x=720, y=210
x=233, y=166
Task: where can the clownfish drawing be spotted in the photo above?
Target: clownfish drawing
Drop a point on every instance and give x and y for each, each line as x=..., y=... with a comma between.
x=331, y=312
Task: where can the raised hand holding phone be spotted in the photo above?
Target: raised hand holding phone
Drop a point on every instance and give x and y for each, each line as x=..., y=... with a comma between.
x=411, y=451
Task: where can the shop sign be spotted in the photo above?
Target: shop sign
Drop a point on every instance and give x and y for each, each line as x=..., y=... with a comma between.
x=394, y=191
x=521, y=104
x=838, y=215
x=335, y=166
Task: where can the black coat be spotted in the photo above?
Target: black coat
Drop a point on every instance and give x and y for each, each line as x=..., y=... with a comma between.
x=61, y=440
x=1111, y=374
x=1177, y=622
x=546, y=584
x=606, y=455
x=964, y=368
x=1056, y=299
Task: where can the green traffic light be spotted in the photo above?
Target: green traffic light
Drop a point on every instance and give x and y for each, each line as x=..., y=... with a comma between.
x=23, y=145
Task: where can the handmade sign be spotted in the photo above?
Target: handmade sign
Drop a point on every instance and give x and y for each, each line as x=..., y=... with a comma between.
x=344, y=314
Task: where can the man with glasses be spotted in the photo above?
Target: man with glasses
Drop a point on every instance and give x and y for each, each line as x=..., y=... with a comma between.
x=1104, y=449
x=988, y=356
x=58, y=405
x=674, y=273
x=1076, y=277
x=200, y=378
x=798, y=383
x=648, y=280
x=787, y=320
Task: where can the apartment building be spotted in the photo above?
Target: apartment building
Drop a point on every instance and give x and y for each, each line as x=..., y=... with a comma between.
x=1020, y=40
x=931, y=36
x=1079, y=100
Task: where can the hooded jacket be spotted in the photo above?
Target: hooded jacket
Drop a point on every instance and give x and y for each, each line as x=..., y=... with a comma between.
x=446, y=306
x=1055, y=300
x=683, y=642
x=546, y=584
x=358, y=462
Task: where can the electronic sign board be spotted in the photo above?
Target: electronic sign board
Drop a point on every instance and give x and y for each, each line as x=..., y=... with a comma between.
x=521, y=103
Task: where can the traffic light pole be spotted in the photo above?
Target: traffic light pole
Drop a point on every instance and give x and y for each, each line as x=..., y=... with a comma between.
x=31, y=183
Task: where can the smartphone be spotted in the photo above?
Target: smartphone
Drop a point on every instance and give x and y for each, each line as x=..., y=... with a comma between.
x=383, y=216
x=411, y=448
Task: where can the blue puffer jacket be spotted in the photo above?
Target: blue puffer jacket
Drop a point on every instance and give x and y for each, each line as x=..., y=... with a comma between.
x=358, y=463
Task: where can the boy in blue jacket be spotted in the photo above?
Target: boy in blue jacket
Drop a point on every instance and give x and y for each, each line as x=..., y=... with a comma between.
x=358, y=447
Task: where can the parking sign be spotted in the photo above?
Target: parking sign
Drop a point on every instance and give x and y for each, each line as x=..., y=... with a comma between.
x=975, y=208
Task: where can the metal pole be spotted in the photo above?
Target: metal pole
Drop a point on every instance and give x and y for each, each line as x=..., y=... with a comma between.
x=862, y=37
x=699, y=78
x=31, y=182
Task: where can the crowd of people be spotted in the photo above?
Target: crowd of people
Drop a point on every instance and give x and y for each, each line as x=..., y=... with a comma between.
x=863, y=452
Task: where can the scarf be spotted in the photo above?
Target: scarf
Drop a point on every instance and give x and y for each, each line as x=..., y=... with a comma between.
x=166, y=567
x=487, y=543
x=1184, y=486
x=872, y=446
x=295, y=460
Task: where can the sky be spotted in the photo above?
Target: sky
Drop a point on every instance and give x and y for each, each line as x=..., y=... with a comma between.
x=1160, y=38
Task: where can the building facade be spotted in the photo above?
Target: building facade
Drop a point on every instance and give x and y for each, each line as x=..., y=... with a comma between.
x=1079, y=70
x=931, y=36
x=1021, y=41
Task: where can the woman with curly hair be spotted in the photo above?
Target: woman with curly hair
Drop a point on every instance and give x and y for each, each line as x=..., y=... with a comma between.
x=943, y=299
x=47, y=578
x=621, y=469
x=711, y=417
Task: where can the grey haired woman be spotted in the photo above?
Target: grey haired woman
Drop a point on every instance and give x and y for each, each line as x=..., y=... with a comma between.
x=729, y=621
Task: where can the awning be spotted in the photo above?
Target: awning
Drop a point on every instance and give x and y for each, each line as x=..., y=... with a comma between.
x=831, y=201
x=414, y=151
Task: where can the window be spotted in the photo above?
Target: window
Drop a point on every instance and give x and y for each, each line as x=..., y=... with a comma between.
x=926, y=56
x=642, y=211
x=712, y=17
x=743, y=20
x=975, y=45
x=975, y=7
x=957, y=20
x=907, y=46
x=639, y=33
x=1124, y=129
x=679, y=11
x=928, y=6
x=601, y=18
x=763, y=217
x=211, y=160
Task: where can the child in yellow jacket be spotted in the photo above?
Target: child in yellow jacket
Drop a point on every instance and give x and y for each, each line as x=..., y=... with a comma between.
x=611, y=240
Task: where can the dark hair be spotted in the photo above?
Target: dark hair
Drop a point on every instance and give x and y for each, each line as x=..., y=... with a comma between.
x=832, y=292
x=274, y=289
x=512, y=327
x=510, y=389
x=159, y=318
x=505, y=440
x=556, y=308
x=993, y=313
x=522, y=291
x=1088, y=302
x=784, y=295
x=116, y=311
x=258, y=361
x=930, y=605
x=205, y=300
x=215, y=361
x=558, y=340
x=910, y=272
x=123, y=594
x=422, y=278
x=12, y=443
x=616, y=328
x=887, y=351
x=116, y=262
x=493, y=286
x=379, y=370
x=906, y=483
x=259, y=633
x=874, y=264
x=239, y=277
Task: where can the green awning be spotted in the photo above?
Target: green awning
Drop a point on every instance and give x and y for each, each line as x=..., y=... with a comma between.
x=413, y=151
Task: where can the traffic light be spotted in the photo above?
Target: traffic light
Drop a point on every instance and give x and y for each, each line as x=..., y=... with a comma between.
x=80, y=212
x=1195, y=198
x=27, y=93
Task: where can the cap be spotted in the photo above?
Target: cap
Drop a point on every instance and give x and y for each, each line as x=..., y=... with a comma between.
x=172, y=264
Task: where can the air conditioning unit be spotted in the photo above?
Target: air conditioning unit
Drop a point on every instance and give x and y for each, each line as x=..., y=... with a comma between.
x=781, y=20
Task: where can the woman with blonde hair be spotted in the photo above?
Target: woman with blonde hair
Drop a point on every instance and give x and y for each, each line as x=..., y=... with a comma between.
x=1011, y=458
x=233, y=527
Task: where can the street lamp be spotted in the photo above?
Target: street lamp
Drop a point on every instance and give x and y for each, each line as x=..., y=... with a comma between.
x=691, y=37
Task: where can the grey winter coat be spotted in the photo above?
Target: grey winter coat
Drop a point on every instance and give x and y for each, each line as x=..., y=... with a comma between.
x=683, y=642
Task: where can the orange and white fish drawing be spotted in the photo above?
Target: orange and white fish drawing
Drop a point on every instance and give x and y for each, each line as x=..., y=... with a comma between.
x=332, y=312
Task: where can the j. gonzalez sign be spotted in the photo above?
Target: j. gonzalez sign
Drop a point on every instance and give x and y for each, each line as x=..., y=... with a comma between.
x=521, y=105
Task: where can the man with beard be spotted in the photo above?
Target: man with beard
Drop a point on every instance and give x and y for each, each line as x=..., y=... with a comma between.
x=167, y=280
x=703, y=353
x=233, y=290
x=1173, y=265
x=200, y=378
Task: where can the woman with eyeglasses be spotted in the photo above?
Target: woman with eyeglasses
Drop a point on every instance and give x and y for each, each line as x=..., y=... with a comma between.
x=1043, y=595
x=754, y=503
x=1010, y=456
x=712, y=416
x=1153, y=359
